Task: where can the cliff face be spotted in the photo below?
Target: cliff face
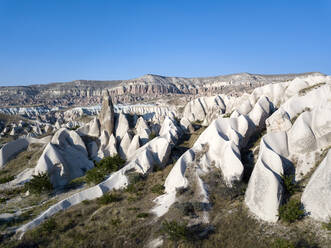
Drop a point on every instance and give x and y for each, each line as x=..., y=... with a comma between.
x=85, y=92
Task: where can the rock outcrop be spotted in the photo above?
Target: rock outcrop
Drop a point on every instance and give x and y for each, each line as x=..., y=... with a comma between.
x=316, y=197
x=217, y=147
x=9, y=150
x=106, y=115
x=64, y=158
x=154, y=153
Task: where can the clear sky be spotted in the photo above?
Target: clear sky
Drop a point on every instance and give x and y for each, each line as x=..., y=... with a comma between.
x=45, y=41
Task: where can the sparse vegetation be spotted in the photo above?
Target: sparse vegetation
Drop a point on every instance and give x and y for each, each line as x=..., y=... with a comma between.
x=39, y=184
x=142, y=215
x=227, y=115
x=282, y=243
x=175, y=231
x=289, y=185
x=103, y=168
x=291, y=211
x=6, y=179
x=327, y=225
x=158, y=189
x=152, y=135
x=109, y=198
x=307, y=89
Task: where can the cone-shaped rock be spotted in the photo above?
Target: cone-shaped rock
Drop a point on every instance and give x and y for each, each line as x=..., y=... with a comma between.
x=106, y=115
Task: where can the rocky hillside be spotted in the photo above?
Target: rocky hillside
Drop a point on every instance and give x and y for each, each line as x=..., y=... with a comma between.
x=227, y=171
x=83, y=92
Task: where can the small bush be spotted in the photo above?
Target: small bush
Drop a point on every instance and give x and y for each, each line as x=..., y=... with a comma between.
x=291, y=211
x=142, y=215
x=48, y=226
x=6, y=179
x=115, y=222
x=104, y=167
x=3, y=200
x=39, y=184
x=152, y=136
x=289, y=186
x=282, y=243
x=327, y=226
x=95, y=176
x=227, y=115
x=158, y=189
x=186, y=208
x=175, y=231
x=109, y=198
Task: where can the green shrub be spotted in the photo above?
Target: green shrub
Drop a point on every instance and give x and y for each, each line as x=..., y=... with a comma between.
x=282, y=243
x=115, y=222
x=142, y=215
x=291, y=211
x=227, y=115
x=327, y=226
x=6, y=179
x=95, y=175
x=152, y=135
x=289, y=185
x=39, y=183
x=158, y=189
x=48, y=226
x=186, y=208
x=104, y=167
x=3, y=200
x=175, y=231
x=109, y=198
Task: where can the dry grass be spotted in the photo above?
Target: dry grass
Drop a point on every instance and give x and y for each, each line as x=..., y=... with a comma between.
x=123, y=223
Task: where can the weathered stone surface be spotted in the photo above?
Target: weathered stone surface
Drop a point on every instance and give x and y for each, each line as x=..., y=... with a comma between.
x=316, y=197
x=106, y=115
x=64, y=158
x=12, y=148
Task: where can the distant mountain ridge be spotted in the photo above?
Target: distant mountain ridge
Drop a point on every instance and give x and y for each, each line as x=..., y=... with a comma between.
x=149, y=86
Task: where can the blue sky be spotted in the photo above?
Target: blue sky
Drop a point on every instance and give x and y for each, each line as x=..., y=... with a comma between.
x=45, y=41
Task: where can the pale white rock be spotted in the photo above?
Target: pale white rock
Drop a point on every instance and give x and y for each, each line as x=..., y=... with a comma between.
x=57, y=125
x=154, y=153
x=94, y=127
x=64, y=158
x=264, y=192
x=141, y=125
x=170, y=130
x=106, y=114
x=124, y=146
x=107, y=145
x=261, y=112
x=203, y=107
x=186, y=125
x=279, y=121
x=143, y=136
x=134, y=146
x=316, y=197
x=121, y=126
x=9, y=150
x=218, y=146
